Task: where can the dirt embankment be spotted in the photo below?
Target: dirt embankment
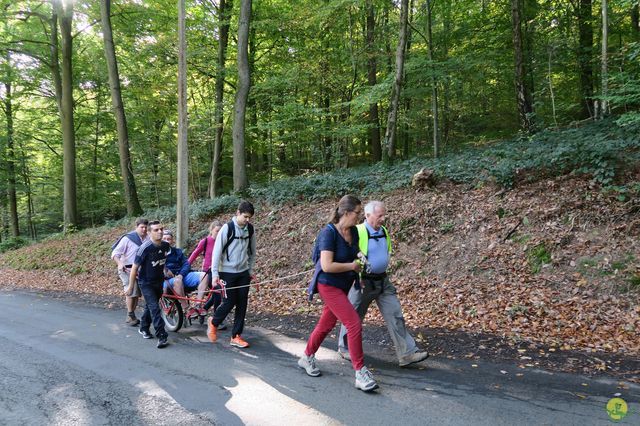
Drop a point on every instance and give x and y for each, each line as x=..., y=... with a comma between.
x=552, y=266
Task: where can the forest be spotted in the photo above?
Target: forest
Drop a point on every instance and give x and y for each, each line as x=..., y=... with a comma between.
x=110, y=108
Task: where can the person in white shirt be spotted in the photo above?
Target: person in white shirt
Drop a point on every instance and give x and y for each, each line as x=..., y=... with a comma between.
x=124, y=253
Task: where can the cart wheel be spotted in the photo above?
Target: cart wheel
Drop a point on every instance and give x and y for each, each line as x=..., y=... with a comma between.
x=171, y=313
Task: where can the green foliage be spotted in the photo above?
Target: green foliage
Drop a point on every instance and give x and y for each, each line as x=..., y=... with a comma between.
x=446, y=227
x=600, y=149
x=516, y=310
x=624, y=92
x=634, y=282
x=200, y=209
x=13, y=244
x=538, y=256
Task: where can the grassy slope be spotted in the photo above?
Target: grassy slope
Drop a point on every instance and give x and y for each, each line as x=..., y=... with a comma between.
x=564, y=277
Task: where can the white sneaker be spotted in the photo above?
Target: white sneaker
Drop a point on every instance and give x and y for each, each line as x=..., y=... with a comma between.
x=413, y=358
x=365, y=381
x=309, y=365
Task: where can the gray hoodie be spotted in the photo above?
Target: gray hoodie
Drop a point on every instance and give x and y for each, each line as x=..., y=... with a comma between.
x=239, y=258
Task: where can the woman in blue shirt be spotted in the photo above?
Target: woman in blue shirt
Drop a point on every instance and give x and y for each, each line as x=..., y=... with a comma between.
x=338, y=247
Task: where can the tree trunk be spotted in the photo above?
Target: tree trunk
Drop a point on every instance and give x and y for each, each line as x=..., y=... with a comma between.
x=604, y=104
x=224, y=12
x=128, y=180
x=374, y=120
x=446, y=122
x=55, y=60
x=406, y=140
x=182, y=204
x=94, y=157
x=154, y=151
x=70, y=210
x=390, y=134
x=27, y=189
x=635, y=21
x=434, y=82
x=11, y=158
x=244, y=80
x=523, y=96
x=585, y=57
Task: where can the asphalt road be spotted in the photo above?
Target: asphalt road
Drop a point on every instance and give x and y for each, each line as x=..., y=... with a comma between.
x=67, y=363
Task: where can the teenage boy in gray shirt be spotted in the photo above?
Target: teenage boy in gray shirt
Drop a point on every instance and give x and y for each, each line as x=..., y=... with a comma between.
x=233, y=258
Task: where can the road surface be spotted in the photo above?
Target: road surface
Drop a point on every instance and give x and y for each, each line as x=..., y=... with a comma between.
x=68, y=363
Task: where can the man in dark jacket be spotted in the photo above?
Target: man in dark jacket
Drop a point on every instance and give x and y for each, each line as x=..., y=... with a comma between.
x=178, y=270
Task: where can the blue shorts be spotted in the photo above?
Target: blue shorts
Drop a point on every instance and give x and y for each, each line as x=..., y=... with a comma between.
x=190, y=282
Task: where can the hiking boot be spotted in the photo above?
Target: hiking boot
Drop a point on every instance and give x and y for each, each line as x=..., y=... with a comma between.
x=212, y=332
x=413, y=358
x=344, y=354
x=239, y=342
x=162, y=342
x=222, y=326
x=145, y=334
x=308, y=363
x=365, y=381
x=132, y=320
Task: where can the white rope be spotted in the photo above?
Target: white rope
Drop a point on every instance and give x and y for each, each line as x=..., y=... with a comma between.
x=273, y=280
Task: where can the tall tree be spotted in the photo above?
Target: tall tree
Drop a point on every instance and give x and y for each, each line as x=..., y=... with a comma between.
x=604, y=62
x=244, y=81
x=182, y=205
x=523, y=94
x=374, y=120
x=70, y=209
x=635, y=20
x=10, y=152
x=224, y=12
x=585, y=57
x=128, y=180
x=434, y=81
x=390, y=133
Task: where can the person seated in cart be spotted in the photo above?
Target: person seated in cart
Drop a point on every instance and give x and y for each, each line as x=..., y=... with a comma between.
x=178, y=273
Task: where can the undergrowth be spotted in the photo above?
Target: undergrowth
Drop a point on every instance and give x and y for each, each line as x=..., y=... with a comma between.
x=601, y=149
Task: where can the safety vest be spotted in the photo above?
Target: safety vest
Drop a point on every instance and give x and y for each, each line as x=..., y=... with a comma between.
x=364, y=236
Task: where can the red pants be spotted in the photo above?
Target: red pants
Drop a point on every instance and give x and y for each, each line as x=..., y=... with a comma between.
x=337, y=307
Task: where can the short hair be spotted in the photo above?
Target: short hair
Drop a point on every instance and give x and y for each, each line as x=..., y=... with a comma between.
x=214, y=224
x=167, y=232
x=153, y=222
x=246, y=207
x=141, y=221
x=371, y=206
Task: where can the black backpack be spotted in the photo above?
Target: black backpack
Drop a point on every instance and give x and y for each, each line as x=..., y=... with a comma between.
x=231, y=235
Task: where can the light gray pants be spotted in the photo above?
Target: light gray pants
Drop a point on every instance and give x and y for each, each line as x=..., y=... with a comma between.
x=384, y=293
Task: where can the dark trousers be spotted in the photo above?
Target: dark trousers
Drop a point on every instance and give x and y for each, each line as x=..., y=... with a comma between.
x=236, y=297
x=152, y=293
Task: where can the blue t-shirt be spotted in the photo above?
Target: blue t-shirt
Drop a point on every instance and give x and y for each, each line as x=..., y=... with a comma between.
x=151, y=259
x=330, y=239
x=377, y=250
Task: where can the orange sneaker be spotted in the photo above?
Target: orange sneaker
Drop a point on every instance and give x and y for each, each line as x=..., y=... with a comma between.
x=239, y=342
x=212, y=331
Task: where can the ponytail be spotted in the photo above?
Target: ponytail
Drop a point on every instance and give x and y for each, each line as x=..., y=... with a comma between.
x=335, y=216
